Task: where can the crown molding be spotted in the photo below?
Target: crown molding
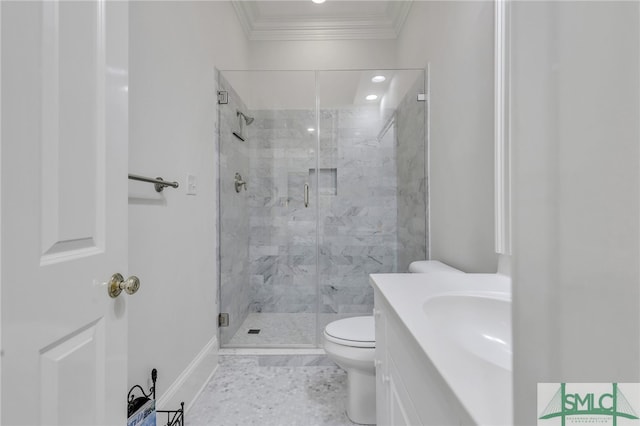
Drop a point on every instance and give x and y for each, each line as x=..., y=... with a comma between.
x=398, y=11
x=362, y=27
x=246, y=13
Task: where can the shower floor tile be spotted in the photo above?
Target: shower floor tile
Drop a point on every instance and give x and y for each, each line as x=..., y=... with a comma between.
x=263, y=390
x=278, y=329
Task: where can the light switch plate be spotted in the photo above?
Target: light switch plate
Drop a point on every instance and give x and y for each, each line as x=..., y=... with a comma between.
x=191, y=185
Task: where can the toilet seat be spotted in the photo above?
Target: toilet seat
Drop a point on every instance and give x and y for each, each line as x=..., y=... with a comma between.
x=357, y=332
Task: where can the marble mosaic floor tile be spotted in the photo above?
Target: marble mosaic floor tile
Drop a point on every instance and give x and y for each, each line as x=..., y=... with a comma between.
x=272, y=390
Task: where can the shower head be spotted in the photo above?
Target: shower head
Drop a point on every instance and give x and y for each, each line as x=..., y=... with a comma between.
x=248, y=120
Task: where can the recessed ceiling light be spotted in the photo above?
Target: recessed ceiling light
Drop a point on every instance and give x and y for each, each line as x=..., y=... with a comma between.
x=311, y=130
x=318, y=1
x=371, y=97
x=378, y=78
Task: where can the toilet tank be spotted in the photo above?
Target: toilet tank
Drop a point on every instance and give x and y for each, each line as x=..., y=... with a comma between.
x=426, y=266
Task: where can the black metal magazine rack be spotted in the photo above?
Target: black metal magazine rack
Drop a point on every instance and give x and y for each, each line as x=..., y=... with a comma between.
x=134, y=403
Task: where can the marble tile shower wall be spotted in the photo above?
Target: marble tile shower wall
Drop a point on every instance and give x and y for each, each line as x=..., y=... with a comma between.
x=357, y=208
x=234, y=217
x=282, y=243
x=412, y=178
x=358, y=220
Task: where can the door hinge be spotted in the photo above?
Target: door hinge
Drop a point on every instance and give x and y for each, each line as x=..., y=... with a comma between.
x=223, y=320
x=223, y=97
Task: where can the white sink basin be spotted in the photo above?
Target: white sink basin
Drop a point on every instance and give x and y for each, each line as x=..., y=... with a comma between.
x=479, y=322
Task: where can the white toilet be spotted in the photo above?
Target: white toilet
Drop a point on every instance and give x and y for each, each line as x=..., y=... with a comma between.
x=351, y=344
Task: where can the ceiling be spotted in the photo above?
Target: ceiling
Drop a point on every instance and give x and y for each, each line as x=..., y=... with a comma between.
x=332, y=20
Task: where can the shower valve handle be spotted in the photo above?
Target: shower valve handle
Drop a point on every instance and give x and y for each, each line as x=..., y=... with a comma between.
x=239, y=183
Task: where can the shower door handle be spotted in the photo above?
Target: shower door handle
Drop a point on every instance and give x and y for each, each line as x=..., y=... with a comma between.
x=306, y=195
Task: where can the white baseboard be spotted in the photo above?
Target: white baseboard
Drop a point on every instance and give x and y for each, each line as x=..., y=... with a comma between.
x=191, y=382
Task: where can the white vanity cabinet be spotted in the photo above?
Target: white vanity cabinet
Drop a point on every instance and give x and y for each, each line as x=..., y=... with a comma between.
x=409, y=390
x=393, y=405
x=380, y=361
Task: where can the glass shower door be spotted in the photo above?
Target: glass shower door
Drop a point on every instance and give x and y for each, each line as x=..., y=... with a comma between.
x=372, y=183
x=268, y=228
x=323, y=181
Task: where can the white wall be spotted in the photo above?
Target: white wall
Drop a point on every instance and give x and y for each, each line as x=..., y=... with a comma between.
x=456, y=39
x=322, y=55
x=174, y=47
x=576, y=193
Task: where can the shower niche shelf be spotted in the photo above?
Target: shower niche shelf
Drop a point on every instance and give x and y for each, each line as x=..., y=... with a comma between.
x=135, y=403
x=327, y=180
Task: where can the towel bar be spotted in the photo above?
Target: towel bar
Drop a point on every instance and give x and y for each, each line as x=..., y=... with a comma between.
x=158, y=182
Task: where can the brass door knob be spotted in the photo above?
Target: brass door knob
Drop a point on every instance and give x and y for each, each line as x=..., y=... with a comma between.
x=118, y=283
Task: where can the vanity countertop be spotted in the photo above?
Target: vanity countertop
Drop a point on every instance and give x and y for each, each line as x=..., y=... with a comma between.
x=481, y=381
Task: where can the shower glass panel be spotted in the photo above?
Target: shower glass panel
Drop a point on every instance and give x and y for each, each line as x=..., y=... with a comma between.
x=372, y=183
x=336, y=189
x=268, y=283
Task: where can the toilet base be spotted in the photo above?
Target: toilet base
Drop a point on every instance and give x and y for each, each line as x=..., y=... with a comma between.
x=361, y=397
x=357, y=361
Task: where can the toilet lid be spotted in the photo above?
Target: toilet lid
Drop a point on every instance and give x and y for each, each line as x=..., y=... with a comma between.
x=357, y=331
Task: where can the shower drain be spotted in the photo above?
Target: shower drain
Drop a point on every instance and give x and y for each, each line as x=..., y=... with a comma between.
x=253, y=331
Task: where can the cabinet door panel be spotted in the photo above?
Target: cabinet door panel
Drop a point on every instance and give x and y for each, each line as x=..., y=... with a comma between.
x=401, y=409
x=434, y=401
x=382, y=398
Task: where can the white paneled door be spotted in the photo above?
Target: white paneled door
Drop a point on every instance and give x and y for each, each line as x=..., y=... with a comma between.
x=64, y=86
